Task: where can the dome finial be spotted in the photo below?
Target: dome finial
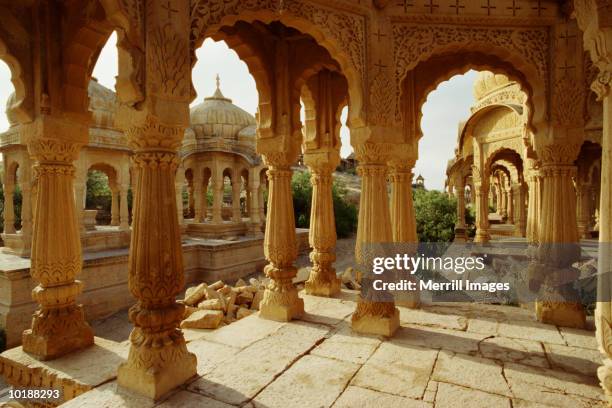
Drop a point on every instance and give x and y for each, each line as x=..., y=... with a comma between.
x=218, y=82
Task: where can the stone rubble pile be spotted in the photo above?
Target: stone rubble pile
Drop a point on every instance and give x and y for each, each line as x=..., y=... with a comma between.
x=210, y=306
x=350, y=279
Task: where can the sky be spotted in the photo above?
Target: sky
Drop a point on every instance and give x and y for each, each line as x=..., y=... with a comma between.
x=445, y=107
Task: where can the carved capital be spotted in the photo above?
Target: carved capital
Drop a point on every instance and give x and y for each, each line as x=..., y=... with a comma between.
x=378, y=153
x=562, y=152
x=53, y=150
x=601, y=84
x=151, y=134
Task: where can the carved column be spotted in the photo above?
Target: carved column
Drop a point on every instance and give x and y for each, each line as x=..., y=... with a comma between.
x=519, y=210
x=510, y=204
x=26, y=210
x=158, y=359
x=204, y=201
x=534, y=206
x=197, y=198
x=460, y=233
x=583, y=191
x=403, y=220
x=124, y=216
x=254, y=213
x=558, y=249
x=217, y=186
x=280, y=301
x=482, y=213
x=58, y=326
x=322, y=234
x=376, y=312
x=9, y=208
x=262, y=202
x=236, y=187
x=114, y=206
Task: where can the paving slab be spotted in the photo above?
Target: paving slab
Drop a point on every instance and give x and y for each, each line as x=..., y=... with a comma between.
x=530, y=330
x=211, y=354
x=453, y=396
x=186, y=399
x=346, y=345
x=399, y=369
x=574, y=359
x=579, y=338
x=109, y=395
x=311, y=382
x=514, y=350
x=254, y=367
x=428, y=317
x=437, y=338
x=552, y=387
x=471, y=372
x=361, y=397
x=251, y=329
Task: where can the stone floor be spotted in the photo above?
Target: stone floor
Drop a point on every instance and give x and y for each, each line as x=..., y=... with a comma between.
x=444, y=355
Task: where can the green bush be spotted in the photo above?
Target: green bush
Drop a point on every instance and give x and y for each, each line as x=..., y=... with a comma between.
x=436, y=214
x=17, y=198
x=99, y=195
x=345, y=212
x=2, y=340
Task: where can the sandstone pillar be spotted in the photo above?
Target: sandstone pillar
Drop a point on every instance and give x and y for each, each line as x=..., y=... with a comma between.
x=460, y=233
x=510, y=205
x=58, y=326
x=114, y=206
x=403, y=220
x=583, y=204
x=218, y=191
x=236, y=187
x=375, y=313
x=262, y=202
x=124, y=216
x=322, y=234
x=519, y=211
x=26, y=209
x=204, y=201
x=482, y=213
x=280, y=301
x=254, y=213
x=190, y=198
x=558, y=240
x=197, y=199
x=158, y=359
x=534, y=206
x=9, y=208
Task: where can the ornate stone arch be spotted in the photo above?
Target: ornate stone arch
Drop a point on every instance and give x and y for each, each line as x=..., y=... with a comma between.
x=342, y=34
x=12, y=52
x=522, y=53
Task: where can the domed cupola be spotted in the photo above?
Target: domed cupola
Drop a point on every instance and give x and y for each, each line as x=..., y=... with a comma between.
x=218, y=117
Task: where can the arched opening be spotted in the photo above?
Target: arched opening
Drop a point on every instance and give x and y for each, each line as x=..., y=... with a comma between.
x=102, y=197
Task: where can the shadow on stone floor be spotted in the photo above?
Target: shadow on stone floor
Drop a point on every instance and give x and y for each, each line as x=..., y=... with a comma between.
x=476, y=346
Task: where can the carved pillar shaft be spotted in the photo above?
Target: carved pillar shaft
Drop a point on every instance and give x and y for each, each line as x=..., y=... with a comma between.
x=583, y=209
x=197, y=200
x=217, y=201
x=26, y=210
x=204, y=201
x=461, y=205
x=534, y=206
x=281, y=301
x=58, y=326
x=114, y=206
x=236, y=187
x=124, y=216
x=158, y=355
x=558, y=249
x=482, y=213
x=322, y=234
x=262, y=203
x=376, y=312
x=510, y=209
x=9, y=209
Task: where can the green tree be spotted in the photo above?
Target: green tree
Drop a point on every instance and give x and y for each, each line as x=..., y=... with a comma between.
x=436, y=214
x=99, y=195
x=345, y=213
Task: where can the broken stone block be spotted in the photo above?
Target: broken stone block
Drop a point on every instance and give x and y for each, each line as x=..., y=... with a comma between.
x=257, y=299
x=243, y=312
x=211, y=304
x=229, y=310
x=240, y=283
x=189, y=310
x=195, y=294
x=254, y=282
x=244, y=297
x=217, y=285
x=213, y=294
x=225, y=290
x=203, y=319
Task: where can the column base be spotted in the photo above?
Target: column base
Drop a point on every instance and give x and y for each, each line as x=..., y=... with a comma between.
x=57, y=332
x=327, y=287
x=604, y=373
x=376, y=324
x=281, y=306
x=153, y=371
x=460, y=235
x=482, y=237
x=561, y=314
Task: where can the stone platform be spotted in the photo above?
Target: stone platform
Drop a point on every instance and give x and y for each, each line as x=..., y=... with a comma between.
x=104, y=277
x=444, y=355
